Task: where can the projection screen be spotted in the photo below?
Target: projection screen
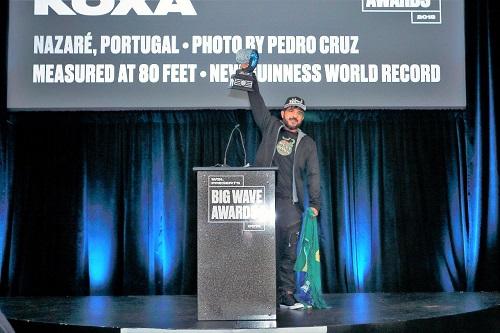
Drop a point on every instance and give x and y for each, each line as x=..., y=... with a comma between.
x=167, y=54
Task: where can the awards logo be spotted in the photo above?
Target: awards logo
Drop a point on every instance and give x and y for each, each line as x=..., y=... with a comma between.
x=422, y=11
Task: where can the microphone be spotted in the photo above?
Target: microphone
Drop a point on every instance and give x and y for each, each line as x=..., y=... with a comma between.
x=242, y=144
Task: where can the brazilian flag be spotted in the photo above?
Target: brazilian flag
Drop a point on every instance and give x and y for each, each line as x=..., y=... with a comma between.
x=308, y=265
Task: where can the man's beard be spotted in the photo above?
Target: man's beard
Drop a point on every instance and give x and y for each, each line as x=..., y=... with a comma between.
x=290, y=126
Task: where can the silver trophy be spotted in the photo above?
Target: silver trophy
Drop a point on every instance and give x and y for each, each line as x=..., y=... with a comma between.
x=243, y=78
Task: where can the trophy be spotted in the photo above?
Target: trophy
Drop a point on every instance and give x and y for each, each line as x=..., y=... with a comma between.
x=243, y=78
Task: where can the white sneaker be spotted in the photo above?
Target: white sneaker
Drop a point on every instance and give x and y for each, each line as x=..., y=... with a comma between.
x=288, y=301
x=295, y=306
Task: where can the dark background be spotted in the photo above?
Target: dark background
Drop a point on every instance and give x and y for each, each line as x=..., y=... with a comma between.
x=104, y=203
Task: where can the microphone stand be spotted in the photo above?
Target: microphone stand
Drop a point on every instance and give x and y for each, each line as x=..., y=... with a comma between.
x=242, y=144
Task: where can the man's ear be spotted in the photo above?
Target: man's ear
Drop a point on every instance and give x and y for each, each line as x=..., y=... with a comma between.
x=282, y=114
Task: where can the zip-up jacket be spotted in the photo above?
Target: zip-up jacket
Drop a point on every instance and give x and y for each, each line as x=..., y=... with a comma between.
x=305, y=161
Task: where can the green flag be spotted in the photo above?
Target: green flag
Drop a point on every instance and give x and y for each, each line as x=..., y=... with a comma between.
x=308, y=264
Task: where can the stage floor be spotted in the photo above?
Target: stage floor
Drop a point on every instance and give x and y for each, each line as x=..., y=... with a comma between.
x=361, y=312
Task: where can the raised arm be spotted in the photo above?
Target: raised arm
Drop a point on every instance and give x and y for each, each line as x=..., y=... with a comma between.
x=260, y=112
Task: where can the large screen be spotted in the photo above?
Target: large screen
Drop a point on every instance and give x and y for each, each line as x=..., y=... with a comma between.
x=180, y=54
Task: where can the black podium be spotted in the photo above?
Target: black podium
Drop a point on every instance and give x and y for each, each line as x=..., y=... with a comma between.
x=236, y=244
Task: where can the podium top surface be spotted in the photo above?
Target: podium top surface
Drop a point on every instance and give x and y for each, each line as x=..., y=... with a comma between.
x=235, y=168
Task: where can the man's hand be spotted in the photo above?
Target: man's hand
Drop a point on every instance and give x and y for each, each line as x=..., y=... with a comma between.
x=315, y=211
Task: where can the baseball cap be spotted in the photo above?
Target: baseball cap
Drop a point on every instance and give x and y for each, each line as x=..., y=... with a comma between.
x=295, y=102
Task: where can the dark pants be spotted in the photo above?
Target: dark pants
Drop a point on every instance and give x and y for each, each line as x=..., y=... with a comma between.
x=288, y=224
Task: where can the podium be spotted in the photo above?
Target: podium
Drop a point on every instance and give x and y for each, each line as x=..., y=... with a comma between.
x=236, y=243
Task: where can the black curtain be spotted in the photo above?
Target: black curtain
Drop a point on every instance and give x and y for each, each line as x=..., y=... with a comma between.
x=104, y=202
x=484, y=188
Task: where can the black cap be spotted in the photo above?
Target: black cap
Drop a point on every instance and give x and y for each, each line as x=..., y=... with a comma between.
x=296, y=102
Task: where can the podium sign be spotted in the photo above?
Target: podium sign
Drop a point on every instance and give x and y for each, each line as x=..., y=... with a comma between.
x=236, y=244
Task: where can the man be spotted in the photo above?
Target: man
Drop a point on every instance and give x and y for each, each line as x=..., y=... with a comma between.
x=295, y=154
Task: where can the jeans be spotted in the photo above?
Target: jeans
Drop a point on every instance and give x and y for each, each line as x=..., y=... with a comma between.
x=288, y=224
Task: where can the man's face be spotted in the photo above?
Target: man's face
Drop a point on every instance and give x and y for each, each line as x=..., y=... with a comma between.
x=292, y=117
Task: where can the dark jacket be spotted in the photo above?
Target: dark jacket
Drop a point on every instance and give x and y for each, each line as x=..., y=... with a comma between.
x=305, y=163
